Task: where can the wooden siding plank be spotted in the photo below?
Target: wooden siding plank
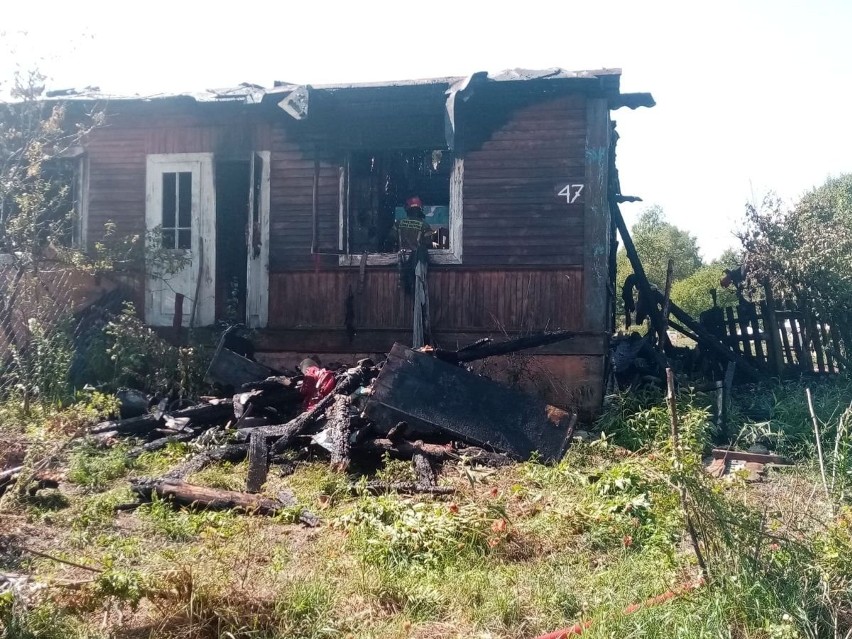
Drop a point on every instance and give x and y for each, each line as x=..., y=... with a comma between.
x=597, y=225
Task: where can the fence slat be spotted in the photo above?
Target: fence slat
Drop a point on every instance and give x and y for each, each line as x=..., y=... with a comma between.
x=759, y=335
x=785, y=339
x=732, y=330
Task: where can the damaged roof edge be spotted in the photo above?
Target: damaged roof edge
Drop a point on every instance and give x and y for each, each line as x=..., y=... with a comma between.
x=632, y=101
x=248, y=93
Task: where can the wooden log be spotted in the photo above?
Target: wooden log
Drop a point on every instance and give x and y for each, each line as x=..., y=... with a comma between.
x=232, y=453
x=9, y=477
x=680, y=329
x=198, y=415
x=340, y=430
x=258, y=463
x=424, y=471
x=10, y=473
x=279, y=395
x=129, y=426
x=666, y=301
x=184, y=494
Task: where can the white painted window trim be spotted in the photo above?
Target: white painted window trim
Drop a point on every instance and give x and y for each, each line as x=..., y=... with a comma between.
x=80, y=226
x=452, y=255
x=80, y=234
x=257, y=269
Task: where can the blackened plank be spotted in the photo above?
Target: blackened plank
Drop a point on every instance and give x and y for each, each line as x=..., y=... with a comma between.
x=430, y=395
x=258, y=462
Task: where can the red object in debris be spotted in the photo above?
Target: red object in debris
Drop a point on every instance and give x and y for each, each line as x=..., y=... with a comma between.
x=318, y=383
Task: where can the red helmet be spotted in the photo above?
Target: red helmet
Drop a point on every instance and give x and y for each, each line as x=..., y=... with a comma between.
x=414, y=202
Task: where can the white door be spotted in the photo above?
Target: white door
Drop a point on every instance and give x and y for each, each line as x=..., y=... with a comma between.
x=180, y=212
x=257, y=268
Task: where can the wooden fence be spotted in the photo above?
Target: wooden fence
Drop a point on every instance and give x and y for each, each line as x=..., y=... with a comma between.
x=778, y=340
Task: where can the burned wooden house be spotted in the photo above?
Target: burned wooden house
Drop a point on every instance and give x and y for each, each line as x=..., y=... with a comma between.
x=285, y=201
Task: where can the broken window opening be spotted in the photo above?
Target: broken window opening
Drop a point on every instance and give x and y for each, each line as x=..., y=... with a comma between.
x=177, y=210
x=380, y=182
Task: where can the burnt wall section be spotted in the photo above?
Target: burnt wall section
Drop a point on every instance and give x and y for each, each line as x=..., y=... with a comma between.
x=117, y=152
x=460, y=299
x=513, y=214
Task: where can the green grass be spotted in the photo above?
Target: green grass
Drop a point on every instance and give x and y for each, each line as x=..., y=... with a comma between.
x=514, y=553
x=94, y=468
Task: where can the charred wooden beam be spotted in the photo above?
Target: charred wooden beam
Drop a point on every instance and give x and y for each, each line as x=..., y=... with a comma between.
x=280, y=395
x=232, y=453
x=424, y=471
x=487, y=348
x=340, y=430
x=129, y=426
x=198, y=415
x=258, y=462
x=159, y=444
x=184, y=494
x=401, y=449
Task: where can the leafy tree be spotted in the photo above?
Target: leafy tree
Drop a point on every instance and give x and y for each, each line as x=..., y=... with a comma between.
x=693, y=293
x=804, y=251
x=730, y=258
x=656, y=241
x=36, y=206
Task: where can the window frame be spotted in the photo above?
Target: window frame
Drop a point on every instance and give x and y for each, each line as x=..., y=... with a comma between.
x=175, y=230
x=77, y=159
x=452, y=255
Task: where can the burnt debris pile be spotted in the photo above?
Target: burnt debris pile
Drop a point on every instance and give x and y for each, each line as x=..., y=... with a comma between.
x=420, y=405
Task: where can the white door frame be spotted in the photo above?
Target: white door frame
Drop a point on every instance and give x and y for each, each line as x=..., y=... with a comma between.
x=257, y=266
x=196, y=281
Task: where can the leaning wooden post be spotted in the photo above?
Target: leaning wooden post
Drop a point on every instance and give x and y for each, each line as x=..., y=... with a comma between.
x=666, y=299
x=636, y=263
x=773, y=337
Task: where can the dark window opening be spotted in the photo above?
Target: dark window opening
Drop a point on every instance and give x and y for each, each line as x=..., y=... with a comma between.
x=177, y=210
x=380, y=182
x=233, y=186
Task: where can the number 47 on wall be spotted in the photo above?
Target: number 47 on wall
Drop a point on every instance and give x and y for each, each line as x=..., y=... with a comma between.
x=571, y=192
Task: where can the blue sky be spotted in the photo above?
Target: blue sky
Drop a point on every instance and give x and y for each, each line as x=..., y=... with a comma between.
x=751, y=95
